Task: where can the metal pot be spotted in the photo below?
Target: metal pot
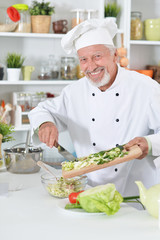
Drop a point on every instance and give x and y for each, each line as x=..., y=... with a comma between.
x=18, y=160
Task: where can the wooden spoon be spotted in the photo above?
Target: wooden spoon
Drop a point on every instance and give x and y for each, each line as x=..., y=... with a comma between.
x=43, y=165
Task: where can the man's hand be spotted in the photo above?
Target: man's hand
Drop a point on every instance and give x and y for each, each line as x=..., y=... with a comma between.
x=48, y=134
x=141, y=142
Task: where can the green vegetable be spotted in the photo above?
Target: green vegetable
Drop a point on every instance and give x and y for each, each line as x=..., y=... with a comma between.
x=104, y=198
x=42, y=8
x=63, y=187
x=96, y=158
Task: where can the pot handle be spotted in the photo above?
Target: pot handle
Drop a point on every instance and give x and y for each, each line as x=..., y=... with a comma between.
x=1, y=137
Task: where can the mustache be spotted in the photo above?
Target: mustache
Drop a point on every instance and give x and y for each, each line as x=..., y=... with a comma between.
x=96, y=69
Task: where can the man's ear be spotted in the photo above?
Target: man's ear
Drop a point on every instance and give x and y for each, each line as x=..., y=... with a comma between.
x=115, y=56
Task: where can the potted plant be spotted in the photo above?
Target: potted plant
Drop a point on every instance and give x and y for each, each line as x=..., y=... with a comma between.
x=14, y=63
x=111, y=9
x=5, y=136
x=41, y=16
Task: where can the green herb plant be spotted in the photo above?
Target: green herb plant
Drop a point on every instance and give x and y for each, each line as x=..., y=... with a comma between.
x=111, y=10
x=6, y=131
x=42, y=8
x=14, y=60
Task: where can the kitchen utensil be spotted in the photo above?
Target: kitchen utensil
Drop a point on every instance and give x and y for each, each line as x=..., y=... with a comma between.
x=17, y=161
x=122, y=51
x=8, y=107
x=67, y=155
x=134, y=152
x=27, y=71
x=150, y=198
x=44, y=166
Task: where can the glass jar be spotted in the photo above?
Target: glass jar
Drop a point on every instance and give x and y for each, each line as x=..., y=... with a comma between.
x=91, y=13
x=68, y=68
x=136, y=26
x=53, y=67
x=78, y=16
x=24, y=24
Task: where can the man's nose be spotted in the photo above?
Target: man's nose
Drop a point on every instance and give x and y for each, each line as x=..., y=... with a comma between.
x=91, y=65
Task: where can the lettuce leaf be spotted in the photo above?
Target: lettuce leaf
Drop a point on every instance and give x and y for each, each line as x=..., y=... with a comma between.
x=103, y=198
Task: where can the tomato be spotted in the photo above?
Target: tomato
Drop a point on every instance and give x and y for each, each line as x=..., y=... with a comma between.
x=73, y=197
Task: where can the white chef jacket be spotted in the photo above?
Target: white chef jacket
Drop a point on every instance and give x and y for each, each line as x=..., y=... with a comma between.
x=99, y=120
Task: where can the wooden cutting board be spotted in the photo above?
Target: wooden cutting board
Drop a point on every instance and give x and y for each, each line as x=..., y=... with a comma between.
x=134, y=152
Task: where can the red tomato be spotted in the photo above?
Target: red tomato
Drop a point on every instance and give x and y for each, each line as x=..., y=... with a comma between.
x=73, y=197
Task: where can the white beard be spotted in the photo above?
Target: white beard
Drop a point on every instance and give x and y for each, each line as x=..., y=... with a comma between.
x=105, y=80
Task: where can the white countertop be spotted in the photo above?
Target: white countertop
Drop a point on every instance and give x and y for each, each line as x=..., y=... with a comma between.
x=30, y=213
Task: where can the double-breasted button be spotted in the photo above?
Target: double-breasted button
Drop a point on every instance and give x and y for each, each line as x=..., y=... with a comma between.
x=93, y=119
x=116, y=169
x=117, y=94
x=93, y=94
x=117, y=120
x=94, y=144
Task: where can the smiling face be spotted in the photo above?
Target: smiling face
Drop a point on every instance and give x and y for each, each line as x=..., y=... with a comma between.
x=99, y=65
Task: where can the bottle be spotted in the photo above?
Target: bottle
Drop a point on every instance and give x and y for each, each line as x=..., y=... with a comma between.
x=136, y=26
x=78, y=16
x=17, y=116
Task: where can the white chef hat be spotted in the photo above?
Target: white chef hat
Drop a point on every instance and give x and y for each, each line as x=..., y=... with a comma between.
x=89, y=32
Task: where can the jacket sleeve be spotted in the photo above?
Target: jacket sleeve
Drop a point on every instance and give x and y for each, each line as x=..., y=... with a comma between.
x=49, y=111
x=154, y=119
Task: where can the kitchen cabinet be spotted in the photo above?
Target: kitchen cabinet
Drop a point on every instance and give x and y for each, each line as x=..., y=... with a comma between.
x=37, y=47
x=143, y=52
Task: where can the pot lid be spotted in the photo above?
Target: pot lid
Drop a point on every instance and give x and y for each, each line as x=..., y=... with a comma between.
x=20, y=6
x=13, y=14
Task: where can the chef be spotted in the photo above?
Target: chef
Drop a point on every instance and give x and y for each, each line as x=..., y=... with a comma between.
x=109, y=106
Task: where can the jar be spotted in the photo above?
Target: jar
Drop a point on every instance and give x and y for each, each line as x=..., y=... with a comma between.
x=91, y=13
x=53, y=67
x=78, y=16
x=68, y=68
x=44, y=71
x=136, y=26
x=24, y=24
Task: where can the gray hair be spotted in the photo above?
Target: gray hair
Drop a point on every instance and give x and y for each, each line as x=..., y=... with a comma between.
x=111, y=48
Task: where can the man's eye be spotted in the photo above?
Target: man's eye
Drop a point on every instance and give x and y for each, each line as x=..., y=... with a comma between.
x=83, y=60
x=98, y=56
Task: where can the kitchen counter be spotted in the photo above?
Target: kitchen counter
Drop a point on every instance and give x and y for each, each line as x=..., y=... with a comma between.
x=30, y=213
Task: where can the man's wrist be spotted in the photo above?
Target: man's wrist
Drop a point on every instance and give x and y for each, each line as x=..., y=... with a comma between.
x=149, y=146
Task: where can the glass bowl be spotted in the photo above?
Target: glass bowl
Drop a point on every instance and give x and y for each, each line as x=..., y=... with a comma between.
x=63, y=187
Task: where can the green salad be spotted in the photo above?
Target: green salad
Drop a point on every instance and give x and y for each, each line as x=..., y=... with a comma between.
x=96, y=158
x=63, y=187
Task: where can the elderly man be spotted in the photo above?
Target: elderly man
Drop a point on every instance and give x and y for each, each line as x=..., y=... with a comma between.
x=109, y=106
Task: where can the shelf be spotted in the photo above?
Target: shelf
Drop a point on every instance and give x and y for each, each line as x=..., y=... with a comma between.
x=31, y=35
x=36, y=35
x=24, y=127
x=37, y=82
x=144, y=42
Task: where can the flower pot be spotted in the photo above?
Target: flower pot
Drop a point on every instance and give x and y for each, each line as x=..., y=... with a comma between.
x=13, y=74
x=114, y=19
x=40, y=23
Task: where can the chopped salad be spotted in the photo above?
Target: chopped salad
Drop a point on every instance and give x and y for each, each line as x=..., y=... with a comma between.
x=96, y=158
x=63, y=187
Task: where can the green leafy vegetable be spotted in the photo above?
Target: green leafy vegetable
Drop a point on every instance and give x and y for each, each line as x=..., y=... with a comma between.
x=104, y=198
x=96, y=158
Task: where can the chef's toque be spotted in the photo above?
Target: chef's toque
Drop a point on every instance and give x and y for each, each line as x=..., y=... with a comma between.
x=89, y=32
